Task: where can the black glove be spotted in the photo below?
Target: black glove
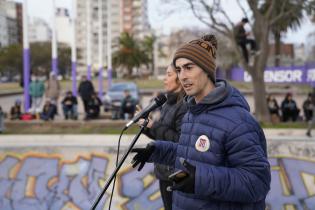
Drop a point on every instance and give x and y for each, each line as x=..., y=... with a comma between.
x=187, y=184
x=142, y=156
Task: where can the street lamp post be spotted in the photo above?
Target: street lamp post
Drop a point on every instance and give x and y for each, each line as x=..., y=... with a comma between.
x=54, y=42
x=26, y=58
x=109, y=45
x=100, y=49
x=88, y=39
x=73, y=51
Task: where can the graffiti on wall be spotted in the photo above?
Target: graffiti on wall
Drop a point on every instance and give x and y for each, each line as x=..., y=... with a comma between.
x=292, y=184
x=42, y=182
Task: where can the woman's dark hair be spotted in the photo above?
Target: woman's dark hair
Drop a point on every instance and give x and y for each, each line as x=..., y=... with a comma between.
x=182, y=93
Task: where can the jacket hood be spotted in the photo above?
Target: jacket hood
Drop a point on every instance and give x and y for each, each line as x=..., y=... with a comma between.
x=223, y=95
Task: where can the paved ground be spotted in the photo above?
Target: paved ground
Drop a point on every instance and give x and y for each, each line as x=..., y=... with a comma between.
x=70, y=140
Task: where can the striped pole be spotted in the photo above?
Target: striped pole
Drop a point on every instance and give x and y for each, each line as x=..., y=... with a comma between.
x=26, y=58
x=88, y=39
x=100, y=49
x=73, y=51
x=54, y=64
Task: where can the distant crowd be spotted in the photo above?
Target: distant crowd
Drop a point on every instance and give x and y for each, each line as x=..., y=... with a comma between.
x=288, y=109
x=50, y=92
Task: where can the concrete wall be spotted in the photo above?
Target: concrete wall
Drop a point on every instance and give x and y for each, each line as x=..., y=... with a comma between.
x=67, y=174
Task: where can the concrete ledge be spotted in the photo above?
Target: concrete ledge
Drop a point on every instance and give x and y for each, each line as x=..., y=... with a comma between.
x=68, y=140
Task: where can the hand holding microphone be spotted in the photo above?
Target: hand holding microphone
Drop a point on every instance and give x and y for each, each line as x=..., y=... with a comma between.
x=157, y=102
x=141, y=120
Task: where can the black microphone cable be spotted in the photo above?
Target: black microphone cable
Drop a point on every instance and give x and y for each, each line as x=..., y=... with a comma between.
x=117, y=157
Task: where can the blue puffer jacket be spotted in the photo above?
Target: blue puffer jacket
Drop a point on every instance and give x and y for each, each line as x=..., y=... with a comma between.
x=233, y=173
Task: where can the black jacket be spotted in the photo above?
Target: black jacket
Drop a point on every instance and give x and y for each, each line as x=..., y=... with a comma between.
x=168, y=129
x=86, y=89
x=69, y=101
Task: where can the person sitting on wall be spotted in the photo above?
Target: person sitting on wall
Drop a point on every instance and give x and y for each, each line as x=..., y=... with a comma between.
x=93, y=107
x=15, y=112
x=70, y=106
x=289, y=109
x=308, y=108
x=49, y=111
x=273, y=108
x=128, y=106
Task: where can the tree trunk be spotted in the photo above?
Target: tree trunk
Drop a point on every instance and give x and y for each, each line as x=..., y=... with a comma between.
x=259, y=92
x=261, y=30
x=277, y=36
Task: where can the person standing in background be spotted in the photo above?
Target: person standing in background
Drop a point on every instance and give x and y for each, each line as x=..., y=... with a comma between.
x=53, y=89
x=36, y=91
x=86, y=89
x=168, y=128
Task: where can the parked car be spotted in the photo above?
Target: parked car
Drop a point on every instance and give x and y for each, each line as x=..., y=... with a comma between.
x=113, y=98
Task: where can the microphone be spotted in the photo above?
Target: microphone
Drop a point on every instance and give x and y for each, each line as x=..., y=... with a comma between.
x=157, y=102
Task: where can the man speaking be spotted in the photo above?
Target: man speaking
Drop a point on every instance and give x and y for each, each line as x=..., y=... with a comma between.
x=222, y=149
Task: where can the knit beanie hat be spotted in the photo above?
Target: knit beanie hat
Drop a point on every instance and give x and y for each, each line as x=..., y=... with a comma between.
x=202, y=52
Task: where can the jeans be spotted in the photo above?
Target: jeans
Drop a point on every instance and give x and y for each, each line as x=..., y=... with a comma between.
x=36, y=102
x=70, y=111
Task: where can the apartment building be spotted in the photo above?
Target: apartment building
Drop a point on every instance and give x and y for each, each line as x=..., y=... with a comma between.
x=125, y=15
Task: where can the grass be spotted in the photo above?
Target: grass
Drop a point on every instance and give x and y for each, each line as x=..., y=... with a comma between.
x=79, y=127
x=144, y=84
x=10, y=87
x=100, y=127
x=286, y=125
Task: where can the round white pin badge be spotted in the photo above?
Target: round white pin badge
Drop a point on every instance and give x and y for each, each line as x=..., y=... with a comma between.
x=202, y=143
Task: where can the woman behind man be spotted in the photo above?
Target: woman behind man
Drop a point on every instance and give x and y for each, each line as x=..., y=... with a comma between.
x=167, y=128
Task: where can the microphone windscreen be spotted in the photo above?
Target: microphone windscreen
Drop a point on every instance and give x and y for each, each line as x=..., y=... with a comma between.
x=160, y=99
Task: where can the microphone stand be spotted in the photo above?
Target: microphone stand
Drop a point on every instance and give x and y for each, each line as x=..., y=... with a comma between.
x=112, y=176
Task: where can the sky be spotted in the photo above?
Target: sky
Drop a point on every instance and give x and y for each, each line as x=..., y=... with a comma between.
x=166, y=18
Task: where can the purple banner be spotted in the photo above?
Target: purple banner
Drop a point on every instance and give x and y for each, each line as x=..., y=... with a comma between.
x=26, y=75
x=292, y=74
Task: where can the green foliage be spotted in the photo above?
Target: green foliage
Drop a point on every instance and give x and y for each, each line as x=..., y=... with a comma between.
x=132, y=53
x=293, y=15
x=11, y=58
x=148, y=47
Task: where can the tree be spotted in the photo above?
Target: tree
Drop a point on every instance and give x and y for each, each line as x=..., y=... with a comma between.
x=292, y=21
x=11, y=59
x=148, y=48
x=41, y=58
x=129, y=54
x=215, y=17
